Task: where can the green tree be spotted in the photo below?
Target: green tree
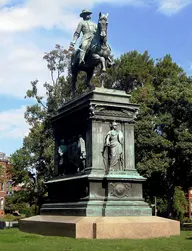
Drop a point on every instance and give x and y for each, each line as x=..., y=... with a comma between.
x=180, y=203
x=132, y=70
x=20, y=171
x=17, y=202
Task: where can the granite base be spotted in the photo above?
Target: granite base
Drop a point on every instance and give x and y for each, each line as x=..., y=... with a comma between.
x=101, y=227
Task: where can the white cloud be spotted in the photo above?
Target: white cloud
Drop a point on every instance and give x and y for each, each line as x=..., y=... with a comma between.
x=3, y=2
x=21, y=62
x=48, y=14
x=170, y=7
x=19, y=65
x=13, y=124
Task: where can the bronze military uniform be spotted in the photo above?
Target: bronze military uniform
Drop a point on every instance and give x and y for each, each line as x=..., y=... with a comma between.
x=88, y=29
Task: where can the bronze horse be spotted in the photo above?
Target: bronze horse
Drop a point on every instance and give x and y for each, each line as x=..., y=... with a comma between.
x=99, y=52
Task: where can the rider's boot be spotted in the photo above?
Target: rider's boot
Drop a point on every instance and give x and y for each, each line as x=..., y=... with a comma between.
x=81, y=57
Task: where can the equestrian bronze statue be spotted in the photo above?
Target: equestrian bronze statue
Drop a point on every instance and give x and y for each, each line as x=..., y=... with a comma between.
x=93, y=49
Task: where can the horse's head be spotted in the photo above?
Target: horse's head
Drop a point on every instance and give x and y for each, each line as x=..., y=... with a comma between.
x=102, y=26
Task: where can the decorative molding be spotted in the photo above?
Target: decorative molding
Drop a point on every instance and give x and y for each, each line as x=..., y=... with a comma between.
x=108, y=111
x=120, y=190
x=92, y=110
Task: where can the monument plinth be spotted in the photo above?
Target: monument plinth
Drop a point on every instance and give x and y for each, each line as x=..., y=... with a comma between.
x=96, y=187
x=104, y=182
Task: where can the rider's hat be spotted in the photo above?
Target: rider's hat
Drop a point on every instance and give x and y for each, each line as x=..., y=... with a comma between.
x=85, y=11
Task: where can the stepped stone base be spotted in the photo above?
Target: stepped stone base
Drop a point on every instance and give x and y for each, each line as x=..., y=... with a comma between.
x=101, y=227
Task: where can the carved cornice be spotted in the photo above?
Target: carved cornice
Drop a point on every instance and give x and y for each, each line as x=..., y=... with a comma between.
x=104, y=112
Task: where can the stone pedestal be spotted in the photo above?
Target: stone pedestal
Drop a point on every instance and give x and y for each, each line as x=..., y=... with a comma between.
x=97, y=190
x=91, y=198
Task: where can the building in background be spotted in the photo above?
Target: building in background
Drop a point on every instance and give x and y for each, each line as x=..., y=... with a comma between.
x=6, y=187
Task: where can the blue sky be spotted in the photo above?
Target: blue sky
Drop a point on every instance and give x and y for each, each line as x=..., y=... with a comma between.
x=28, y=28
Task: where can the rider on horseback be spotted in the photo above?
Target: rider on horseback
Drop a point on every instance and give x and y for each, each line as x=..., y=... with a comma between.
x=88, y=28
x=93, y=51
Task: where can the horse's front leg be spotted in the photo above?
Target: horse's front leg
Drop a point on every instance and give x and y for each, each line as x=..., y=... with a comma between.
x=100, y=60
x=103, y=63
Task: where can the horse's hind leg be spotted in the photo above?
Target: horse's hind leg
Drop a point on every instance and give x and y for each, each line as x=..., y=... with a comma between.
x=74, y=81
x=89, y=77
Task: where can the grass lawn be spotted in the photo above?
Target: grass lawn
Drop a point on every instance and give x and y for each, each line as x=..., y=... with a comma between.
x=14, y=240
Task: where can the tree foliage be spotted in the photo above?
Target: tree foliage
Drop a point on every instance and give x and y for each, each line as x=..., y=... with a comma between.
x=180, y=203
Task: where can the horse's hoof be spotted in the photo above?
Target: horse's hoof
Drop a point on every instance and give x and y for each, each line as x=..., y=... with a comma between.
x=91, y=87
x=104, y=70
x=111, y=65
